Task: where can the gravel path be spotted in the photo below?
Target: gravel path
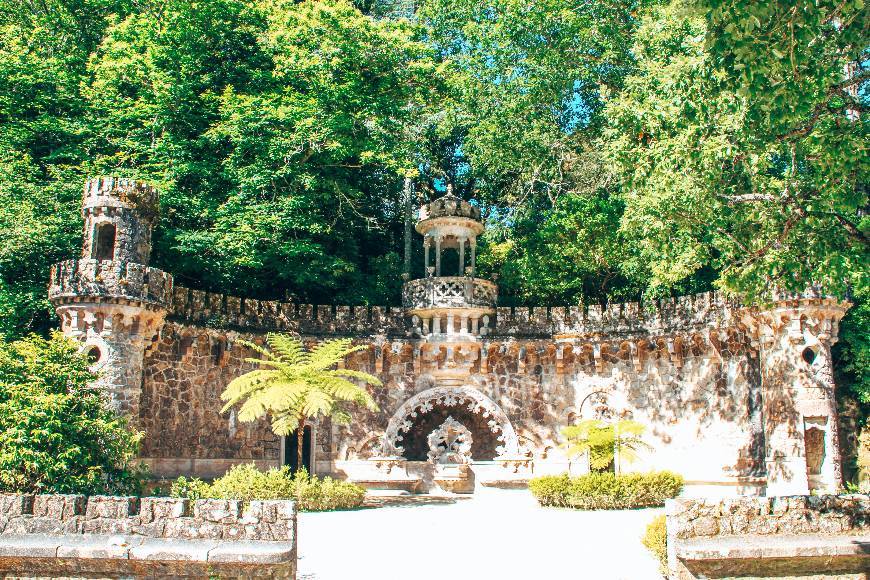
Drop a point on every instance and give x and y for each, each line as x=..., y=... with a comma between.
x=499, y=534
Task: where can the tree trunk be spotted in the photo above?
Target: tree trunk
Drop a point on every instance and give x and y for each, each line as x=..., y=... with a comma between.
x=300, y=438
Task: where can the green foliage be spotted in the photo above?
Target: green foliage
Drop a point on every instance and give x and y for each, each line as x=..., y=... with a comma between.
x=56, y=434
x=606, y=490
x=603, y=440
x=656, y=541
x=246, y=483
x=734, y=146
x=298, y=384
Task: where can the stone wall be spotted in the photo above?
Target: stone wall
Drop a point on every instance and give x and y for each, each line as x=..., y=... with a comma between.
x=825, y=536
x=784, y=515
x=151, y=517
x=702, y=414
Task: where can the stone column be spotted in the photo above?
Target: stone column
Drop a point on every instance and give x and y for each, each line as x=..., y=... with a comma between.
x=473, y=244
x=427, y=243
x=462, y=256
x=438, y=256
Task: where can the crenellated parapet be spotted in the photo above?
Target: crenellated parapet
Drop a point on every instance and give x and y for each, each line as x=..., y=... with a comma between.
x=74, y=281
x=225, y=311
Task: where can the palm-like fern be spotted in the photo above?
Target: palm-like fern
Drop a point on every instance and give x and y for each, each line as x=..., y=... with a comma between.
x=603, y=440
x=295, y=385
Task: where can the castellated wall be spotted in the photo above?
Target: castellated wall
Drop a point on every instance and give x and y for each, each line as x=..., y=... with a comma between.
x=698, y=392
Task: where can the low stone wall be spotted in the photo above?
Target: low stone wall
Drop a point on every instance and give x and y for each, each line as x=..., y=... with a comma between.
x=158, y=533
x=798, y=536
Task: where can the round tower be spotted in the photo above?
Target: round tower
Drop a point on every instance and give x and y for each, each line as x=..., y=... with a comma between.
x=110, y=300
x=454, y=305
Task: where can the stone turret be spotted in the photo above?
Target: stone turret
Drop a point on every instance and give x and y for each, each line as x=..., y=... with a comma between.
x=458, y=306
x=110, y=300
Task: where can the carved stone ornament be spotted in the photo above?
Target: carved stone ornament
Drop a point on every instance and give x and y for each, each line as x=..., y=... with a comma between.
x=450, y=443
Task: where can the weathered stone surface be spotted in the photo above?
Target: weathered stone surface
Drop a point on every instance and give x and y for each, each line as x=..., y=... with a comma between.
x=253, y=552
x=173, y=550
x=154, y=537
x=798, y=536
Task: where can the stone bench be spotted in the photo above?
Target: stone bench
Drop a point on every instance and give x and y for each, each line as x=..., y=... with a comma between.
x=69, y=535
x=116, y=556
x=774, y=556
x=757, y=537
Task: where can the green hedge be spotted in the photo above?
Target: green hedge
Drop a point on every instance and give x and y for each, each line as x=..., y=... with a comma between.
x=246, y=482
x=606, y=490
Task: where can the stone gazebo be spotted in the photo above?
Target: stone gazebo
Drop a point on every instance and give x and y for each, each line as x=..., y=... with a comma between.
x=450, y=307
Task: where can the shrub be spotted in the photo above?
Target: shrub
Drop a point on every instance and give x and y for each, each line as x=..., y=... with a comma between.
x=246, y=482
x=58, y=435
x=656, y=541
x=606, y=490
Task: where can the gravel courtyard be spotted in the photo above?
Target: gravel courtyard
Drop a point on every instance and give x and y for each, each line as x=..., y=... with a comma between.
x=500, y=534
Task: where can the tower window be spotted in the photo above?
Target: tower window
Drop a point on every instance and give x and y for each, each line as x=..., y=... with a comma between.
x=104, y=242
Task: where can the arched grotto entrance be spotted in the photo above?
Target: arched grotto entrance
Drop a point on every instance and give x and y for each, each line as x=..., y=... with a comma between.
x=408, y=429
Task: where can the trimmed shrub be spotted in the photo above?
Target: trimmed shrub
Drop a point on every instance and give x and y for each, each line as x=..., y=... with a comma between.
x=246, y=483
x=606, y=490
x=656, y=541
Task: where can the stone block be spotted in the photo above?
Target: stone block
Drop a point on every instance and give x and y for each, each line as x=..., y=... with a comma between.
x=254, y=552
x=13, y=505
x=173, y=550
x=59, y=507
x=102, y=506
x=99, y=547
x=218, y=510
x=21, y=546
x=159, y=508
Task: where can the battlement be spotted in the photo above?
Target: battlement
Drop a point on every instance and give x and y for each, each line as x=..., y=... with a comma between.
x=113, y=192
x=650, y=317
x=74, y=280
x=223, y=311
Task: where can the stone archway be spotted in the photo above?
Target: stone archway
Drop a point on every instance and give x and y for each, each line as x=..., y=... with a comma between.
x=445, y=397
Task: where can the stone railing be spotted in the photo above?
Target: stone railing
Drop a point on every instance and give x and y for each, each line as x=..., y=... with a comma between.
x=55, y=534
x=449, y=292
x=73, y=279
x=764, y=537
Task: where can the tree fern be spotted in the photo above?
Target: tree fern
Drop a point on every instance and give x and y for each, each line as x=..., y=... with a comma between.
x=603, y=440
x=295, y=385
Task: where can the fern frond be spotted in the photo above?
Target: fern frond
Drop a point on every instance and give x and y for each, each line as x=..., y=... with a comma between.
x=289, y=349
x=257, y=348
x=359, y=375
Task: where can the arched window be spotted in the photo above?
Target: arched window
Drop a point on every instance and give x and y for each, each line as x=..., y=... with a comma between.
x=104, y=242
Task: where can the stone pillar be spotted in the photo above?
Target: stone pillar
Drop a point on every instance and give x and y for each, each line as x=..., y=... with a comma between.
x=462, y=256
x=473, y=244
x=798, y=395
x=438, y=256
x=427, y=243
